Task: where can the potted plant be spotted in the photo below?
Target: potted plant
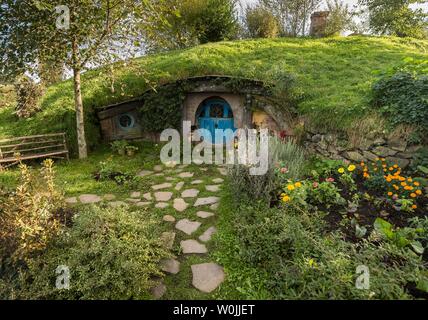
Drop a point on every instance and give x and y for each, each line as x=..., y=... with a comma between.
x=130, y=150
x=119, y=146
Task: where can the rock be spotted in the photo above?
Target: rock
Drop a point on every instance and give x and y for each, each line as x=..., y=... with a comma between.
x=397, y=144
x=329, y=138
x=206, y=236
x=402, y=163
x=218, y=180
x=179, y=186
x=405, y=155
x=384, y=151
x=167, y=239
x=187, y=226
x=71, y=200
x=206, y=201
x=322, y=145
x=192, y=246
x=161, y=205
x=222, y=171
x=413, y=149
x=158, y=168
x=170, y=266
x=180, y=205
x=190, y=193
x=158, y=291
x=365, y=144
x=133, y=200
x=197, y=182
x=170, y=164
x=160, y=174
x=148, y=196
x=207, y=276
x=370, y=156
x=144, y=173
x=89, y=198
x=204, y=214
x=143, y=204
x=162, y=186
x=214, y=206
x=186, y=175
x=168, y=218
x=317, y=138
x=109, y=197
x=163, y=196
x=354, y=156
x=379, y=142
x=214, y=188
x=169, y=179
x=116, y=204
x=135, y=194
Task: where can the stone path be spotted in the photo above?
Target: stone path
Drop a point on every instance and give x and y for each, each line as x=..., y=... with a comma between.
x=190, y=201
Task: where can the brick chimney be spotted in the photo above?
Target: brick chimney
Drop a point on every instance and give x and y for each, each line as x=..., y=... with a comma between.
x=319, y=23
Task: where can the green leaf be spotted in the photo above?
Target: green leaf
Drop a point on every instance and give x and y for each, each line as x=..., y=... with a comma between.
x=423, y=169
x=384, y=228
x=418, y=247
x=423, y=285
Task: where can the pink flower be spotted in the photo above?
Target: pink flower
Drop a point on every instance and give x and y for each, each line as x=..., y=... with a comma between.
x=330, y=180
x=315, y=185
x=284, y=170
x=394, y=197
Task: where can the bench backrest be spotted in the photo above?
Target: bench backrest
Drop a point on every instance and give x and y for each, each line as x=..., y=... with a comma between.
x=32, y=146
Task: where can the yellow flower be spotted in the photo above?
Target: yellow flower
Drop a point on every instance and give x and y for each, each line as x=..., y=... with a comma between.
x=341, y=170
x=414, y=207
x=390, y=194
x=286, y=199
x=312, y=263
x=403, y=184
x=351, y=168
x=417, y=184
x=298, y=184
x=395, y=166
x=413, y=195
x=418, y=192
x=290, y=187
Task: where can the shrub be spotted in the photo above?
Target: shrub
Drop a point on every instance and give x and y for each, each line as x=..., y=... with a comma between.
x=261, y=23
x=111, y=253
x=401, y=95
x=286, y=155
x=29, y=218
x=28, y=94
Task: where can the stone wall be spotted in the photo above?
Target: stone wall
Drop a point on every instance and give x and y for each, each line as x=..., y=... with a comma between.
x=394, y=150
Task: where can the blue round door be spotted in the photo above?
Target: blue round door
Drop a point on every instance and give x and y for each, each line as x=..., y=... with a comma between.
x=216, y=114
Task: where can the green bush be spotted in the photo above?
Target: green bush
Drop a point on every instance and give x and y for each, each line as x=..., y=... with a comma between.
x=111, y=253
x=261, y=23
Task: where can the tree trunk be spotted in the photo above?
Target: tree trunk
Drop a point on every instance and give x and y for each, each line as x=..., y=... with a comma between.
x=78, y=104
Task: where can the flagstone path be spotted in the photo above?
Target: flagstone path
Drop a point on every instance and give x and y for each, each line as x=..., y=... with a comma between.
x=190, y=201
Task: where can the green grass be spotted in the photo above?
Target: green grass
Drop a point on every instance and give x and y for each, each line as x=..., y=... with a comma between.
x=335, y=74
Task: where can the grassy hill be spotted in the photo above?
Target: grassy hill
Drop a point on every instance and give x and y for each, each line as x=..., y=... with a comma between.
x=335, y=74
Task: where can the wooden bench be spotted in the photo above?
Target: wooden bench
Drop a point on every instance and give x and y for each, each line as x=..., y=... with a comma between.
x=14, y=150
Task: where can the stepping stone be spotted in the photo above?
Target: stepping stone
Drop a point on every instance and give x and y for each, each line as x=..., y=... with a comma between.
x=207, y=276
x=168, y=218
x=161, y=174
x=163, y=196
x=187, y=226
x=183, y=166
x=192, y=246
x=179, y=186
x=204, y=214
x=109, y=197
x=144, y=173
x=162, y=186
x=135, y=194
x=186, y=175
x=148, y=196
x=89, y=198
x=190, y=193
x=222, y=171
x=170, y=266
x=161, y=205
x=170, y=164
x=133, y=200
x=206, y=201
x=167, y=239
x=71, y=200
x=143, y=203
x=214, y=206
x=204, y=169
x=158, y=291
x=169, y=179
x=206, y=236
x=180, y=205
x=158, y=168
x=197, y=182
x=218, y=180
x=116, y=204
x=214, y=188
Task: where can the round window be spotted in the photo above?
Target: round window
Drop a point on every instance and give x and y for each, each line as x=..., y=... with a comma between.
x=126, y=121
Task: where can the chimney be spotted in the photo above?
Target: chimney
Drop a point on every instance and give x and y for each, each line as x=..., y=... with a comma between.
x=319, y=23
